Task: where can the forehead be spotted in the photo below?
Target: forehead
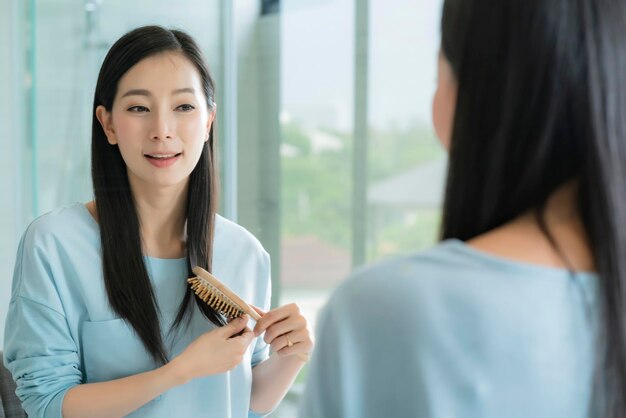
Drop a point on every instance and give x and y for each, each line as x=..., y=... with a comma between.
x=165, y=71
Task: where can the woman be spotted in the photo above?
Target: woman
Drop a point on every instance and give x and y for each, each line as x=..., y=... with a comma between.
x=519, y=311
x=101, y=321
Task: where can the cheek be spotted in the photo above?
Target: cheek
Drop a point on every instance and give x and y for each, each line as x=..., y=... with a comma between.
x=193, y=136
x=128, y=133
x=443, y=115
x=192, y=130
x=436, y=113
x=127, y=128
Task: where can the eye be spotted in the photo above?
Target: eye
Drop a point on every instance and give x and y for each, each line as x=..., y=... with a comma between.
x=138, y=109
x=186, y=107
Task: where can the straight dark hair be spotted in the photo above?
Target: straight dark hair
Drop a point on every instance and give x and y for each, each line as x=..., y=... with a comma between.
x=541, y=101
x=126, y=278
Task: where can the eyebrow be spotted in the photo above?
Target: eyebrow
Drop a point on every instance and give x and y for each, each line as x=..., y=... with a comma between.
x=142, y=92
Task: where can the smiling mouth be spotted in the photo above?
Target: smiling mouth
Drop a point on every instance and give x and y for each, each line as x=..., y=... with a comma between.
x=162, y=156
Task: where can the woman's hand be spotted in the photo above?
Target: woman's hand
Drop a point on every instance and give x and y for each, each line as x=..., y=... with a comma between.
x=286, y=331
x=216, y=351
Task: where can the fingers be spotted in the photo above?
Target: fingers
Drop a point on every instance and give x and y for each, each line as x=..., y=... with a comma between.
x=235, y=326
x=303, y=355
x=274, y=316
x=299, y=338
x=286, y=331
x=244, y=339
x=283, y=327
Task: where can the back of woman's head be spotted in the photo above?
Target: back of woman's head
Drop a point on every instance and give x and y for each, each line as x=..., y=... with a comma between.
x=541, y=101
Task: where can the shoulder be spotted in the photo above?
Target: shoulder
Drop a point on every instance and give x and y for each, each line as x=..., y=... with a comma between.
x=232, y=239
x=241, y=262
x=448, y=269
x=453, y=285
x=390, y=310
x=450, y=282
x=57, y=225
x=405, y=277
x=51, y=248
x=424, y=270
x=234, y=235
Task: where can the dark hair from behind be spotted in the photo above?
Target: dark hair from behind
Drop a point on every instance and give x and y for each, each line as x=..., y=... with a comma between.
x=126, y=278
x=542, y=100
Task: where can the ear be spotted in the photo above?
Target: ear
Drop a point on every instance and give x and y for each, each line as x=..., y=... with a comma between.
x=106, y=121
x=212, y=113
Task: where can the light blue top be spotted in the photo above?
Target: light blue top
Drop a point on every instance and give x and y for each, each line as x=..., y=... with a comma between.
x=454, y=332
x=60, y=330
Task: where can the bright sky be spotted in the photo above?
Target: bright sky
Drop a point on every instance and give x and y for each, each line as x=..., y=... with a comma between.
x=317, y=54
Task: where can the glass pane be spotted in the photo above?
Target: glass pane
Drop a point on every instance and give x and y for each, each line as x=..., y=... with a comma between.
x=317, y=76
x=406, y=164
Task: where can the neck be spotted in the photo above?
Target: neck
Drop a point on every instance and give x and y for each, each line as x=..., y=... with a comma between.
x=564, y=223
x=561, y=206
x=162, y=215
x=523, y=240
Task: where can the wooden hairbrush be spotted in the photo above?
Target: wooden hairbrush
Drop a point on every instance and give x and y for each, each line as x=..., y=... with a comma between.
x=218, y=296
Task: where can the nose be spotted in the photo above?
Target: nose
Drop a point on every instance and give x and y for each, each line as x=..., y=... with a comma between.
x=163, y=127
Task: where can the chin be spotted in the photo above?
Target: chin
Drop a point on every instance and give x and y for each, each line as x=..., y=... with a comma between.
x=162, y=180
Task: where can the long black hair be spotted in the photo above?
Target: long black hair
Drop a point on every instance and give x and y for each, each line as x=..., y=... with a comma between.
x=125, y=275
x=541, y=101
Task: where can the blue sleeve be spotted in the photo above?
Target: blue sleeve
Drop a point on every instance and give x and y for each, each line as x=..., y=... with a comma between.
x=252, y=414
x=39, y=350
x=261, y=349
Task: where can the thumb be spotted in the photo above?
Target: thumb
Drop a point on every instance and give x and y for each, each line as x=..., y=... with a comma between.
x=235, y=326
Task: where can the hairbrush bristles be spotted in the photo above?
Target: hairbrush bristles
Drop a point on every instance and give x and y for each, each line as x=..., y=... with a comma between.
x=218, y=296
x=213, y=297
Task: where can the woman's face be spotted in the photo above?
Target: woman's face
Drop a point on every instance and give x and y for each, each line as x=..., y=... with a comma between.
x=160, y=120
x=444, y=101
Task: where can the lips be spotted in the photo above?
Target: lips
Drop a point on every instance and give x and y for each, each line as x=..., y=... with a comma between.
x=162, y=159
x=163, y=155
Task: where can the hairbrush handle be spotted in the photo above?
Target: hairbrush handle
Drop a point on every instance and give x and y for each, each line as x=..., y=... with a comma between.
x=199, y=271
